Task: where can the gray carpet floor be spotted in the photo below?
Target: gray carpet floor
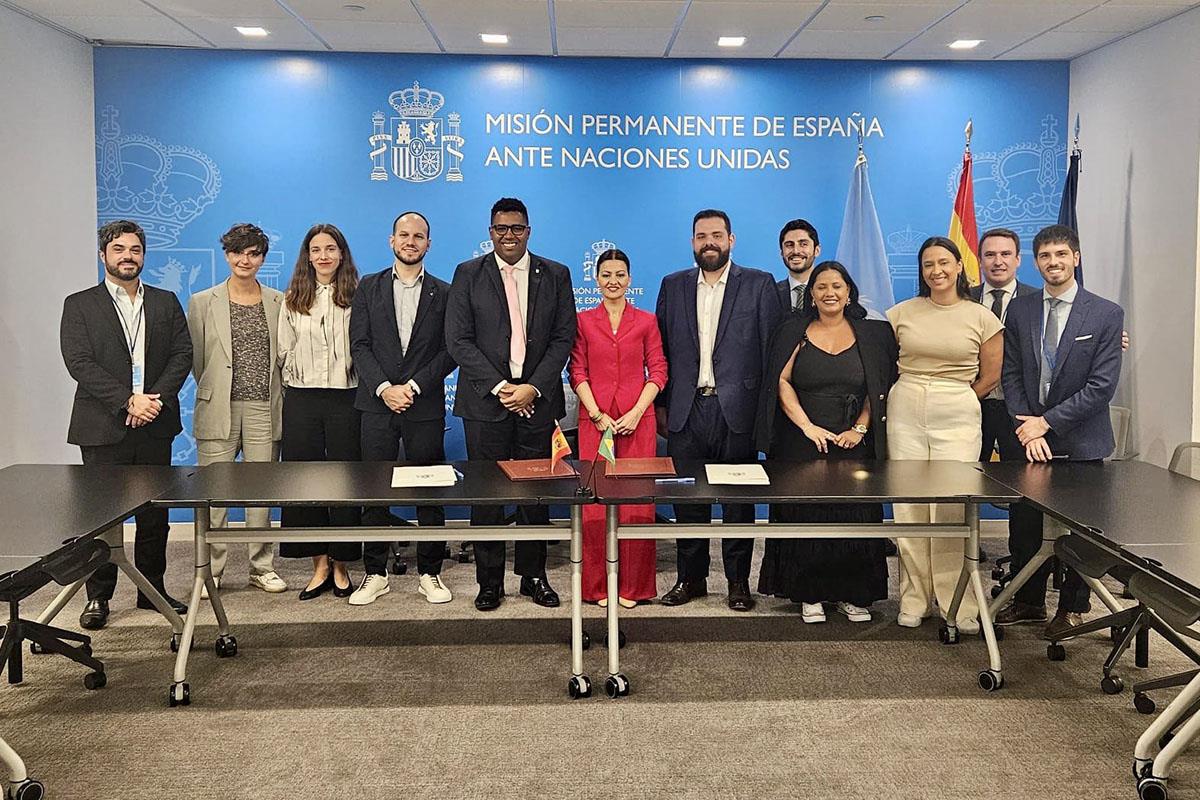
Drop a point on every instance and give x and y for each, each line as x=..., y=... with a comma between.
x=405, y=699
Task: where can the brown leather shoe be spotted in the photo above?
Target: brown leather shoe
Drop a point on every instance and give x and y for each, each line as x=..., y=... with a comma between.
x=684, y=592
x=1017, y=613
x=1060, y=627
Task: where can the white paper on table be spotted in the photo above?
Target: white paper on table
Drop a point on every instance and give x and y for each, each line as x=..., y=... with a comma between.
x=437, y=475
x=736, y=475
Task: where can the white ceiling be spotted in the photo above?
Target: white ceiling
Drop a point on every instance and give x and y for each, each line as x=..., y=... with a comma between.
x=910, y=29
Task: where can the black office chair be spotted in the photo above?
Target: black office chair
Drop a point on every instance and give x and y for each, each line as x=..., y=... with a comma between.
x=64, y=568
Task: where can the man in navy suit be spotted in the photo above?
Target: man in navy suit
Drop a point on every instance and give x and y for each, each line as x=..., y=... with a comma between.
x=510, y=326
x=1062, y=361
x=398, y=341
x=799, y=247
x=716, y=320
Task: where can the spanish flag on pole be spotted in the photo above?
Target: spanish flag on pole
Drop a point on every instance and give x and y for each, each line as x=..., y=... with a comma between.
x=962, y=221
x=559, y=449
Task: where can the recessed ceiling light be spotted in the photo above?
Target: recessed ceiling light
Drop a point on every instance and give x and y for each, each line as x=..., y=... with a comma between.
x=354, y=7
x=731, y=41
x=494, y=38
x=875, y=18
x=965, y=44
x=250, y=30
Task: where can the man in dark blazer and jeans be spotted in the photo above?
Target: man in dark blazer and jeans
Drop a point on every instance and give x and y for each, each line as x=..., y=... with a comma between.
x=398, y=343
x=1062, y=361
x=716, y=321
x=510, y=326
x=128, y=348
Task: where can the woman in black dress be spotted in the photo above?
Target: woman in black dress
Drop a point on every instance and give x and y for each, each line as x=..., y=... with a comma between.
x=824, y=396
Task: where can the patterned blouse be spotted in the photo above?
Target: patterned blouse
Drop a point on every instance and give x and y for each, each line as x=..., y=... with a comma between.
x=251, y=352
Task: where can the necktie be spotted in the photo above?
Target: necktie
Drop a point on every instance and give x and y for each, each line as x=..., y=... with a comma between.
x=516, y=342
x=998, y=303
x=1049, y=347
x=796, y=292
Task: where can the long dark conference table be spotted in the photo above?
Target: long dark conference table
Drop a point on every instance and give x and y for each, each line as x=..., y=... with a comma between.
x=1145, y=511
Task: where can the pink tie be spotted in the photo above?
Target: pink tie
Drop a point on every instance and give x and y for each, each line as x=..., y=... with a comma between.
x=516, y=343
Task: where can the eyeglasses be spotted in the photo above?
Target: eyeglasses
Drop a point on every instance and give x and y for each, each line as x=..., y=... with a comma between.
x=517, y=230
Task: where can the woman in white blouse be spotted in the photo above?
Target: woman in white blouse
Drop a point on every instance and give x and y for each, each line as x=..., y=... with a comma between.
x=320, y=422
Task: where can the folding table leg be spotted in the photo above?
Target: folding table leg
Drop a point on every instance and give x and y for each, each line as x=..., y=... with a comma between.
x=60, y=601
x=1051, y=530
x=1149, y=769
x=20, y=784
x=615, y=685
x=116, y=555
x=578, y=685
x=179, y=692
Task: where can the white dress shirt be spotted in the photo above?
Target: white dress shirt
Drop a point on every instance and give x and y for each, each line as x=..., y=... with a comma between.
x=131, y=314
x=708, y=314
x=405, y=299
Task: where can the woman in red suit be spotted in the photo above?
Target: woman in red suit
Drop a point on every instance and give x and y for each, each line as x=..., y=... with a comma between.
x=617, y=369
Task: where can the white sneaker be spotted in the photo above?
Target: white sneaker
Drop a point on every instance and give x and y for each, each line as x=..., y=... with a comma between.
x=204, y=588
x=434, y=590
x=812, y=612
x=372, y=586
x=854, y=613
x=909, y=620
x=269, y=582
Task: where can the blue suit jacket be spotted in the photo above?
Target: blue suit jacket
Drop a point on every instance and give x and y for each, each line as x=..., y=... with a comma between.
x=1085, y=377
x=750, y=312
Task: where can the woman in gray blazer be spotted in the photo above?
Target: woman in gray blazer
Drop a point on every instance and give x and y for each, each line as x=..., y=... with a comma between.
x=234, y=327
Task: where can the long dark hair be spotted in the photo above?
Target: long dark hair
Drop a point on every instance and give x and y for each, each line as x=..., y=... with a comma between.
x=854, y=309
x=963, y=288
x=302, y=290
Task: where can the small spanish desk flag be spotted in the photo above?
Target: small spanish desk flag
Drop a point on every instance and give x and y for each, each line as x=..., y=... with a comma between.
x=559, y=449
x=606, y=449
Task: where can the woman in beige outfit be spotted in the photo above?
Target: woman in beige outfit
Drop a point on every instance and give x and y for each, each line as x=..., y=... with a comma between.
x=951, y=349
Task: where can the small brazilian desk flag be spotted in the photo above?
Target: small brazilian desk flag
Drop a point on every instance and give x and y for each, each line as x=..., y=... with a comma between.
x=559, y=449
x=605, y=449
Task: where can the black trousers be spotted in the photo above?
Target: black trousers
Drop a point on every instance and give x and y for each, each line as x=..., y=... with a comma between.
x=150, y=539
x=320, y=425
x=706, y=436
x=512, y=437
x=382, y=436
x=999, y=432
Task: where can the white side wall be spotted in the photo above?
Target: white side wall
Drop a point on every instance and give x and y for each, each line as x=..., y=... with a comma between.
x=48, y=208
x=1139, y=211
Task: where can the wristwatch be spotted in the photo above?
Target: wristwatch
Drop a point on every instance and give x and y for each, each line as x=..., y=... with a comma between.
x=859, y=428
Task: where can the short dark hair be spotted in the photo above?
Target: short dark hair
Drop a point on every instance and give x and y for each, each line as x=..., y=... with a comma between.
x=800, y=225
x=428, y=229
x=612, y=254
x=1056, y=234
x=712, y=213
x=119, y=227
x=509, y=205
x=243, y=236
x=854, y=309
x=1004, y=232
x=961, y=285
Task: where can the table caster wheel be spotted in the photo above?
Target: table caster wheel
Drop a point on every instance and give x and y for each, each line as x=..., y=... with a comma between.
x=1112, y=684
x=948, y=635
x=179, y=695
x=990, y=680
x=996, y=590
x=226, y=646
x=1056, y=652
x=579, y=686
x=1144, y=703
x=399, y=566
x=36, y=649
x=95, y=680
x=616, y=686
x=620, y=639
x=1152, y=789
x=86, y=648
x=997, y=574
x=587, y=640
x=28, y=789
x=1116, y=634
x=1165, y=739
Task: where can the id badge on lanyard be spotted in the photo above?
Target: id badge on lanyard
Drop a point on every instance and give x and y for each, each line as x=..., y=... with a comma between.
x=138, y=378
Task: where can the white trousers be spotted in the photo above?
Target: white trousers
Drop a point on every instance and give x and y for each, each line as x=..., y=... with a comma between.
x=250, y=435
x=932, y=419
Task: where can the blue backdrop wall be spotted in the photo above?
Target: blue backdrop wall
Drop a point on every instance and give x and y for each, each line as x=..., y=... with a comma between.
x=621, y=151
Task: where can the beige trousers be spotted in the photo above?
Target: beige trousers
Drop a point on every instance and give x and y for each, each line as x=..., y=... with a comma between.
x=250, y=435
x=932, y=419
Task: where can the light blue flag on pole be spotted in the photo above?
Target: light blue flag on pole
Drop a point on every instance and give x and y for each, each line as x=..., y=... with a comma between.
x=861, y=248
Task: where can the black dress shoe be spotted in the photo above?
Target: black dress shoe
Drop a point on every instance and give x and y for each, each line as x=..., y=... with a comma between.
x=95, y=615
x=684, y=592
x=739, y=596
x=143, y=602
x=488, y=598
x=338, y=591
x=321, y=588
x=539, y=589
